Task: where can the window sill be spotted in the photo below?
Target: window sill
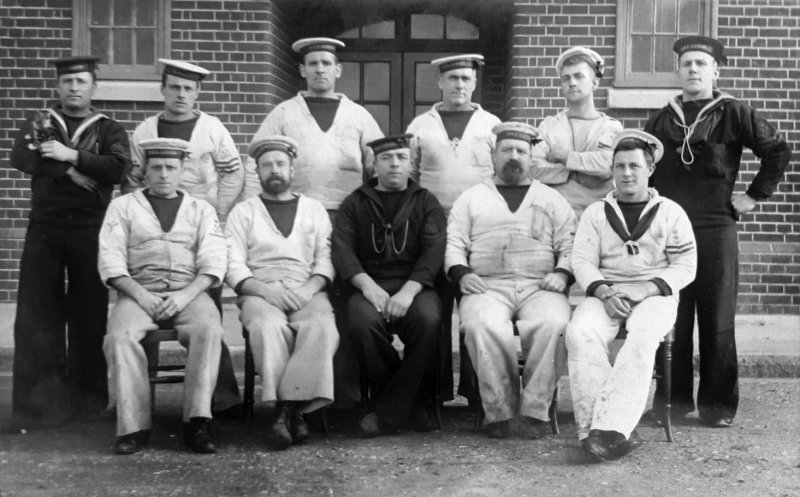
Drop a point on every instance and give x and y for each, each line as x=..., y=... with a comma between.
x=128, y=91
x=639, y=98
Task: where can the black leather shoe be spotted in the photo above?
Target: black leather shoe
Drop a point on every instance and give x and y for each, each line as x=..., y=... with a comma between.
x=595, y=445
x=197, y=434
x=279, y=437
x=532, y=428
x=132, y=442
x=498, y=429
x=369, y=426
x=424, y=421
x=298, y=428
x=619, y=446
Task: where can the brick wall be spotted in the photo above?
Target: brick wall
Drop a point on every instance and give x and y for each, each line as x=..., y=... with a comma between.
x=761, y=37
x=247, y=46
x=244, y=44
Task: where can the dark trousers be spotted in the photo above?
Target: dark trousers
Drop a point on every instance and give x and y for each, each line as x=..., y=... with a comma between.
x=397, y=386
x=712, y=296
x=59, y=367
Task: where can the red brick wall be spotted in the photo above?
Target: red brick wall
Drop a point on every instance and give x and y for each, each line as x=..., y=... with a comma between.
x=244, y=44
x=761, y=37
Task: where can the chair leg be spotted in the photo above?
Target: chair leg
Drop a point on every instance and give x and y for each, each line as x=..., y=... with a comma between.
x=666, y=377
x=151, y=351
x=248, y=400
x=553, y=412
x=479, y=415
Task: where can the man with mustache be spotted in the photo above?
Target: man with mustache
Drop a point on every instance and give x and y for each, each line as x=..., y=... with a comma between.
x=213, y=172
x=280, y=263
x=59, y=369
x=509, y=241
x=452, y=151
x=704, y=132
x=574, y=154
x=331, y=130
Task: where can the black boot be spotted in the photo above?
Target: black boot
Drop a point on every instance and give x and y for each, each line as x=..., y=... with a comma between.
x=132, y=442
x=197, y=434
x=298, y=427
x=279, y=437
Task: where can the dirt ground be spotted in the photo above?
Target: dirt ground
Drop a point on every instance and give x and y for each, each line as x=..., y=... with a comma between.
x=759, y=456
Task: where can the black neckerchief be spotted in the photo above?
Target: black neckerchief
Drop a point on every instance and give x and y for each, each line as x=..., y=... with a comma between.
x=618, y=225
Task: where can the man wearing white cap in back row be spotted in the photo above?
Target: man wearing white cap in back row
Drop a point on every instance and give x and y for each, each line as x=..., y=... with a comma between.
x=279, y=249
x=138, y=230
x=450, y=152
x=453, y=141
x=509, y=241
x=331, y=130
x=633, y=252
x=213, y=172
x=575, y=152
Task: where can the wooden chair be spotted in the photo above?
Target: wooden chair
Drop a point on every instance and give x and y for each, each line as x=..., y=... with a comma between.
x=248, y=401
x=175, y=372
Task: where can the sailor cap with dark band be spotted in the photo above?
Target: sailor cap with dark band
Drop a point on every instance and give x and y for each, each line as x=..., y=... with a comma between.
x=390, y=142
x=69, y=65
x=513, y=130
x=184, y=70
x=592, y=57
x=307, y=45
x=165, y=148
x=469, y=61
x=640, y=137
x=273, y=142
x=701, y=44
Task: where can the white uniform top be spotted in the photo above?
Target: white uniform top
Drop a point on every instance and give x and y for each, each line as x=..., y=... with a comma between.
x=666, y=250
x=448, y=167
x=586, y=176
x=133, y=244
x=257, y=249
x=330, y=164
x=484, y=235
x=212, y=172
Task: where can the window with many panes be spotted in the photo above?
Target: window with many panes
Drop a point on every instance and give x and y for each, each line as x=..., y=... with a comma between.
x=129, y=36
x=646, y=31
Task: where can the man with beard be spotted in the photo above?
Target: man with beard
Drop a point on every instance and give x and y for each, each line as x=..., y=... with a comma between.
x=331, y=130
x=212, y=172
x=509, y=241
x=388, y=247
x=75, y=156
x=574, y=154
x=279, y=264
x=704, y=131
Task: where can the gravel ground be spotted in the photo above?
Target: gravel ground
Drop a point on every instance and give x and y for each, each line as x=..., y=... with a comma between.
x=759, y=456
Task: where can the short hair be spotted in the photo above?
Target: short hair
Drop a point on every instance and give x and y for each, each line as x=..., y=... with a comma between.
x=577, y=59
x=164, y=80
x=636, y=144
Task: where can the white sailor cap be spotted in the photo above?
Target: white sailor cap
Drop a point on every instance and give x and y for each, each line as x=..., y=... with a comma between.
x=469, y=61
x=272, y=142
x=306, y=45
x=166, y=148
x=590, y=56
x=184, y=70
x=515, y=130
x=647, y=140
